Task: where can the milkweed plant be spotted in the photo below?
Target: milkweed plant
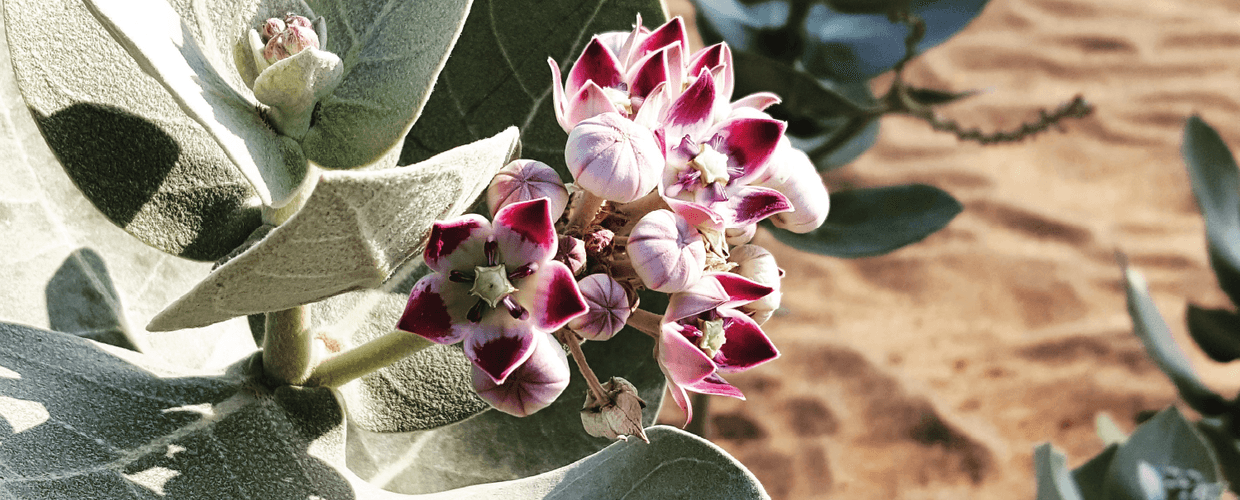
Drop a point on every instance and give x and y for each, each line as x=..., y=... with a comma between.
x=474, y=244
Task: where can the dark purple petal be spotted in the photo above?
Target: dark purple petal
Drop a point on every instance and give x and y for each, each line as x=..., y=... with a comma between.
x=751, y=204
x=589, y=102
x=555, y=300
x=717, y=386
x=465, y=233
x=739, y=289
x=708, y=58
x=750, y=143
x=692, y=112
x=427, y=312
x=532, y=386
x=499, y=345
x=596, y=63
x=671, y=32
x=746, y=346
x=525, y=233
x=650, y=72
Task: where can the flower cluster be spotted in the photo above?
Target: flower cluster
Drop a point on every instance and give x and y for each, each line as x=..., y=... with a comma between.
x=670, y=178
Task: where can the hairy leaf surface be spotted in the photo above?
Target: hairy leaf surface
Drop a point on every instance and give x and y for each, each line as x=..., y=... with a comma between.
x=1216, y=185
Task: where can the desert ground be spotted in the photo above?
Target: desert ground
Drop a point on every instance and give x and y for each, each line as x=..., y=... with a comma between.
x=932, y=372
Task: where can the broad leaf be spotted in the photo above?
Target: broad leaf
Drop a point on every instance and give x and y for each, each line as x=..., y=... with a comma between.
x=796, y=89
x=67, y=266
x=513, y=447
x=1216, y=185
x=829, y=44
x=1221, y=439
x=393, y=51
x=1149, y=326
x=165, y=48
x=1054, y=480
x=1216, y=331
x=498, y=76
x=1091, y=476
x=122, y=139
x=1165, y=440
x=875, y=221
x=356, y=228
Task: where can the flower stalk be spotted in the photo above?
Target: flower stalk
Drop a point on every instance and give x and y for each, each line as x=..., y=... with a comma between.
x=570, y=338
x=366, y=358
x=645, y=321
x=287, y=345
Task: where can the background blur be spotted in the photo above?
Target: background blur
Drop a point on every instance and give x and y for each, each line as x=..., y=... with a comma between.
x=932, y=372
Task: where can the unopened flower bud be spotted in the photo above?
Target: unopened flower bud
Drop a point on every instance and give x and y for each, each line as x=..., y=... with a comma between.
x=270, y=28
x=791, y=172
x=667, y=253
x=524, y=180
x=614, y=158
x=757, y=264
x=299, y=38
x=531, y=386
x=621, y=416
x=275, y=51
x=296, y=20
x=740, y=235
x=609, y=308
x=572, y=253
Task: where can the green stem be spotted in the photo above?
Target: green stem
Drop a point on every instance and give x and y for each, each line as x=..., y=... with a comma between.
x=286, y=346
x=366, y=358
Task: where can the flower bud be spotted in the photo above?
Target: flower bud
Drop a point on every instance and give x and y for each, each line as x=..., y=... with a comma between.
x=571, y=252
x=758, y=265
x=666, y=252
x=295, y=20
x=531, y=386
x=791, y=172
x=275, y=51
x=740, y=235
x=621, y=416
x=271, y=28
x=614, y=158
x=524, y=180
x=299, y=38
x=609, y=308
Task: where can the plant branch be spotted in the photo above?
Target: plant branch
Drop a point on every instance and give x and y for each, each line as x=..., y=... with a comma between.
x=573, y=342
x=287, y=345
x=366, y=358
x=646, y=322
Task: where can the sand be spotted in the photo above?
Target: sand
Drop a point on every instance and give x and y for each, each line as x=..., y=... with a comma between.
x=932, y=372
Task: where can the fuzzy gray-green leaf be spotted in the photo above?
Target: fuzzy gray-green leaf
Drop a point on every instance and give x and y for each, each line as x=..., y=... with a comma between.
x=1165, y=440
x=356, y=228
x=392, y=51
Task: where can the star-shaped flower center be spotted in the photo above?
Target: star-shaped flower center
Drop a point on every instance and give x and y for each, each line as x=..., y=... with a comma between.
x=712, y=336
x=491, y=284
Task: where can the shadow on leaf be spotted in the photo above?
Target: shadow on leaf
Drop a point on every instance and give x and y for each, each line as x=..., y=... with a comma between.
x=82, y=300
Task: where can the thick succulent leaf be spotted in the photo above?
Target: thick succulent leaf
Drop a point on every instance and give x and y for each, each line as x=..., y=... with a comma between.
x=355, y=229
x=392, y=51
x=68, y=267
x=1148, y=324
x=831, y=140
x=1216, y=331
x=675, y=464
x=122, y=139
x=165, y=48
x=1216, y=184
x=829, y=44
x=495, y=446
x=1165, y=440
x=875, y=221
x=1091, y=476
x=1054, y=480
x=498, y=75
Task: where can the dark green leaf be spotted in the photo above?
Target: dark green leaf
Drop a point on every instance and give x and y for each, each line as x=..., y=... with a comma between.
x=798, y=91
x=1091, y=476
x=936, y=97
x=1149, y=326
x=1216, y=331
x=1219, y=434
x=498, y=75
x=875, y=221
x=449, y=457
x=1165, y=440
x=122, y=139
x=1054, y=480
x=1216, y=185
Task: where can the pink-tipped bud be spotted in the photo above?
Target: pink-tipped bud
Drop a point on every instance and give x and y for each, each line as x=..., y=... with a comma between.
x=609, y=308
x=524, y=180
x=619, y=416
x=270, y=28
x=666, y=252
x=275, y=51
x=533, y=385
x=598, y=241
x=299, y=38
x=758, y=265
x=296, y=20
x=572, y=253
x=614, y=158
